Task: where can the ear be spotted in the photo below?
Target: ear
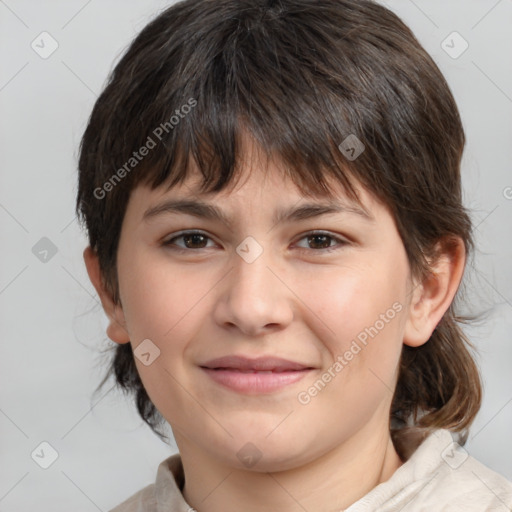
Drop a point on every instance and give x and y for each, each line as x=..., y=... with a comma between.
x=433, y=296
x=116, y=329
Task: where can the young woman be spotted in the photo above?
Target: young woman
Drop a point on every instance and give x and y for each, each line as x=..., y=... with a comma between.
x=272, y=197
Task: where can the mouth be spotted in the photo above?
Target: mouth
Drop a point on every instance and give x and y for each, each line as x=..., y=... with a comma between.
x=255, y=376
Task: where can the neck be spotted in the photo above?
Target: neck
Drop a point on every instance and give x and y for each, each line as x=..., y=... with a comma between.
x=331, y=482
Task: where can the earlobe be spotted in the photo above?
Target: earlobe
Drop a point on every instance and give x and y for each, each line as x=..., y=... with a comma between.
x=116, y=329
x=432, y=297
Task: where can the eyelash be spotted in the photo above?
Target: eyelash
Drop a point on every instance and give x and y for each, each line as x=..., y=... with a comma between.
x=168, y=243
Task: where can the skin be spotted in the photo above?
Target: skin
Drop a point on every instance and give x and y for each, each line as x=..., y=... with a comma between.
x=295, y=301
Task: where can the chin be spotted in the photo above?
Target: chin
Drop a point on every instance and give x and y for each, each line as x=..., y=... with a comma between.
x=275, y=462
x=265, y=454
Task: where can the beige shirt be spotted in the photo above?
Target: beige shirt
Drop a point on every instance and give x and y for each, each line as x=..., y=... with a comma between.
x=439, y=476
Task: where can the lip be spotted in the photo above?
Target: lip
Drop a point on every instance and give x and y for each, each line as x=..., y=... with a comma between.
x=255, y=376
x=245, y=364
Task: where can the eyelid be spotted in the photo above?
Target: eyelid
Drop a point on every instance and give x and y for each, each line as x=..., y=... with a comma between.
x=341, y=241
x=179, y=234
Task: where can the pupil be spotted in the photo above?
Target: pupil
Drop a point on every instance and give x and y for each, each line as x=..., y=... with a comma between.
x=193, y=237
x=324, y=237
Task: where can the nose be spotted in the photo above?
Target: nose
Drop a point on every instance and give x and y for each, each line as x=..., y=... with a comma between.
x=254, y=296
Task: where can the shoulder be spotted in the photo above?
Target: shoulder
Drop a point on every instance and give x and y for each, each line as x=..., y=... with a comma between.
x=440, y=475
x=472, y=486
x=164, y=492
x=142, y=501
x=464, y=483
x=456, y=481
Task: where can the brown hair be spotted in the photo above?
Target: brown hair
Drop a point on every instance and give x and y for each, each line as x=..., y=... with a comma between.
x=300, y=76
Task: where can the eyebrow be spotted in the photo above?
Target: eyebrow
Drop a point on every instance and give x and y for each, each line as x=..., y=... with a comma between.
x=207, y=211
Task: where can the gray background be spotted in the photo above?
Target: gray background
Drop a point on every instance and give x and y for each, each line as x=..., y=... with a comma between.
x=52, y=327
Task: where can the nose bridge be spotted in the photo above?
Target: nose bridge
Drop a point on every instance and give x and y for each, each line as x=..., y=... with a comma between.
x=254, y=298
x=251, y=274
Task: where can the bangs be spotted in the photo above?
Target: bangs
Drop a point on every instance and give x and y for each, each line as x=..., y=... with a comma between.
x=220, y=158
x=242, y=78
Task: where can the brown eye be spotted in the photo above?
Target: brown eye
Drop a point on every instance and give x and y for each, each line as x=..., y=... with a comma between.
x=320, y=241
x=197, y=240
x=191, y=240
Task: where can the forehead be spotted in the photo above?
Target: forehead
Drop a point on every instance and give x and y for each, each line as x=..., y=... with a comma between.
x=277, y=200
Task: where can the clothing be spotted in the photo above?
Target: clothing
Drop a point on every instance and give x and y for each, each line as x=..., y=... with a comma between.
x=439, y=476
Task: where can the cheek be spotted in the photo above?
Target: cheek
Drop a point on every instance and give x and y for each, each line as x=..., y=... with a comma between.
x=160, y=300
x=354, y=303
x=166, y=305
x=359, y=314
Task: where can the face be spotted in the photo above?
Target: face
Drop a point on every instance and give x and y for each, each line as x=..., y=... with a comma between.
x=332, y=305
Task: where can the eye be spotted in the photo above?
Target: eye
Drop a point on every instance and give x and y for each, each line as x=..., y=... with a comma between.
x=197, y=240
x=323, y=239
x=192, y=239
